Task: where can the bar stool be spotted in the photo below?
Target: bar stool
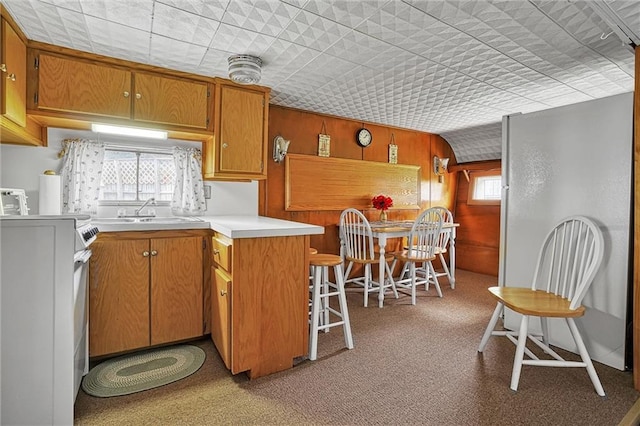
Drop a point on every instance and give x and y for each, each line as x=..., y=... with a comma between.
x=323, y=289
x=311, y=269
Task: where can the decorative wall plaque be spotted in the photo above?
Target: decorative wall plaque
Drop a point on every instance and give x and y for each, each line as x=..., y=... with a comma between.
x=324, y=142
x=393, y=151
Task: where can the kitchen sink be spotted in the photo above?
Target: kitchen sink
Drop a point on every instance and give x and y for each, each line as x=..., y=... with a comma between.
x=113, y=220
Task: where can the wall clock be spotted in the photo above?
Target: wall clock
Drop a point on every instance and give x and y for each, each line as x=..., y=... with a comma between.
x=363, y=137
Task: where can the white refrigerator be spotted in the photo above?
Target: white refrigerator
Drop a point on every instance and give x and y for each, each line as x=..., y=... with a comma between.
x=564, y=161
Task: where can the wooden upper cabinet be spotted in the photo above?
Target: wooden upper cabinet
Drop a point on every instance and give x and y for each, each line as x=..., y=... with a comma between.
x=81, y=89
x=15, y=126
x=14, y=76
x=69, y=85
x=171, y=101
x=239, y=151
x=241, y=131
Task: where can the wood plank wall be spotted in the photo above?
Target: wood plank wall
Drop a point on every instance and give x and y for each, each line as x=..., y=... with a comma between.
x=478, y=238
x=302, y=129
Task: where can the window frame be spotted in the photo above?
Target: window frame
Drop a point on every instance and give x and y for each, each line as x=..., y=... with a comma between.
x=138, y=152
x=473, y=177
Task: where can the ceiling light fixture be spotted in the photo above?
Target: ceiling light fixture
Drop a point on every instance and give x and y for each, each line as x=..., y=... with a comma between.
x=128, y=131
x=245, y=69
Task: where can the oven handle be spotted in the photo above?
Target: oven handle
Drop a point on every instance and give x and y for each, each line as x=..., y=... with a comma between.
x=82, y=256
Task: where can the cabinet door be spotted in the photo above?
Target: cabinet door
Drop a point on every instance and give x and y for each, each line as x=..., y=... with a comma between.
x=81, y=87
x=176, y=289
x=14, y=76
x=242, y=131
x=221, y=314
x=118, y=296
x=170, y=101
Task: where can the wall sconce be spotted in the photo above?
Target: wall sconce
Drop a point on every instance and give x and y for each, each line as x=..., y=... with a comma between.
x=440, y=167
x=280, y=146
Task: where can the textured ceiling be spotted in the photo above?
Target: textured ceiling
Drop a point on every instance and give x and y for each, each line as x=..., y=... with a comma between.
x=448, y=67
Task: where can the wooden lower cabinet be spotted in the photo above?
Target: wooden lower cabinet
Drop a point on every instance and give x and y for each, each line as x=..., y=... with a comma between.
x=221, y=312
x=144, y=292
x=259, y=321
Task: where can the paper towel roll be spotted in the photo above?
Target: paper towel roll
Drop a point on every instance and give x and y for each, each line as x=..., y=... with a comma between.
x=50, y=197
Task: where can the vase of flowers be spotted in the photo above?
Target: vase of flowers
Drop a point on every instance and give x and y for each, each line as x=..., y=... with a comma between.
x=382, y=203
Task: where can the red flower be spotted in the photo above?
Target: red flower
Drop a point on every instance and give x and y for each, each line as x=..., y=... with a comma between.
x=382, y=202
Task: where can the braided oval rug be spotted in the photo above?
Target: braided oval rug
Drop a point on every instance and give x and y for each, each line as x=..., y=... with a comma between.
x=141, y=371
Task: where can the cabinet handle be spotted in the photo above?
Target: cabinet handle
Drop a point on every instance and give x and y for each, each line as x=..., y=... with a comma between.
x=138, y=96
x=12, y=77
x=3, y=67
x=145, y=253
x=126, y=94
x=224, y=145
x=154, y=252
x=223, y=292
x=216, y=251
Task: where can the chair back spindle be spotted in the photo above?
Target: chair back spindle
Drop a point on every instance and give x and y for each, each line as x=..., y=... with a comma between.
x=356, y=234
x=568, y=260
x=447, y=217
x=424, y=236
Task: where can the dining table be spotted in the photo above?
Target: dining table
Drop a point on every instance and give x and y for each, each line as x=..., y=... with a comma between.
x=399, y=229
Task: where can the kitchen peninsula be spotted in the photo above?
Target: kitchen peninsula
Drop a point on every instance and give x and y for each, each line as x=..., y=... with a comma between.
x=258, y=284
x=259, y=312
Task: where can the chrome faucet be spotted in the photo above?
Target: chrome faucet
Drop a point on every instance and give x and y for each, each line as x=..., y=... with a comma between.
x=151, y=201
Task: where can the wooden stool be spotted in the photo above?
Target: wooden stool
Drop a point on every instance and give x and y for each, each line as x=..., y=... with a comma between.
x=311, y=251
x=323, y=289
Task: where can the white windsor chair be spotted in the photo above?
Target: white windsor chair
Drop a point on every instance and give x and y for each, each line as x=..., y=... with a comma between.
x=422, y=243
x=357, y=241
x=567, y=263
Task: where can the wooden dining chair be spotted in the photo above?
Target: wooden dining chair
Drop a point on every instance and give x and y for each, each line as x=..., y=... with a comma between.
x=422, y=243
x=567, y=263
x=357, y=241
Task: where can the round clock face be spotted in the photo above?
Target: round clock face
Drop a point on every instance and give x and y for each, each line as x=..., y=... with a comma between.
x=363, y=137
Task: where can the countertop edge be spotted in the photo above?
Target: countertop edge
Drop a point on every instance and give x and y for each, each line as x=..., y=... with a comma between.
x=230, y=226
x=260, y=226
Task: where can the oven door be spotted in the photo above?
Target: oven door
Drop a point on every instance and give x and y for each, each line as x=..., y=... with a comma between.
x=80, y=317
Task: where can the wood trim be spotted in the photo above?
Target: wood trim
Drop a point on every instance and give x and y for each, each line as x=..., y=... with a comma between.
x=169, y=233
x=636, y=226
x=319, y=183
x=476, y=165
x=4, y=13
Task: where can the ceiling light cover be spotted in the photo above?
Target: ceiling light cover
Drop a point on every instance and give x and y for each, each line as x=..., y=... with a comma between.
x=245, y=69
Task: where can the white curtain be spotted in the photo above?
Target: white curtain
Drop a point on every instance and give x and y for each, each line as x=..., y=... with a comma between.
x=81, y=173
x=188, y=194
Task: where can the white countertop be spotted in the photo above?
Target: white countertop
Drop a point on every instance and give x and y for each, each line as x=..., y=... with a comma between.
x=259, y=226
x=230, y=226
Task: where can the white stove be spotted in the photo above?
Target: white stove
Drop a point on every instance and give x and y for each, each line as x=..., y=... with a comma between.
x=86, y=233
x=44, y=316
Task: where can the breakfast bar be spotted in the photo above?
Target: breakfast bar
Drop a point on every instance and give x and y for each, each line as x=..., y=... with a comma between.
x=259, y=315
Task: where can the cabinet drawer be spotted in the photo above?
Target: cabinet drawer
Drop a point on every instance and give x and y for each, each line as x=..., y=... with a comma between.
x=221, y=251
